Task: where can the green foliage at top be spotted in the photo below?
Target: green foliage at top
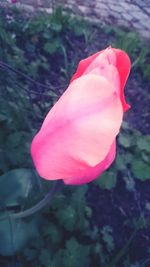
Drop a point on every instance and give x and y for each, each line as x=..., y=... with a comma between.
x=138, y=52
x=31, y=43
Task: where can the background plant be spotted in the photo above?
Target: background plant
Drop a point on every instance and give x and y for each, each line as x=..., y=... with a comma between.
x=37, y=57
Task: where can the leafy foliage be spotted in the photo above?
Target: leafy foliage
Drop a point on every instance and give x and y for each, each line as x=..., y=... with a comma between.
x=137, y=145
x=107, y=180
x=107, y=237
x=76, y=255
x=21, y=182
x=13, y=196
x=15, y=235
x=31, y=45
x=64, y=234
x=139, y=53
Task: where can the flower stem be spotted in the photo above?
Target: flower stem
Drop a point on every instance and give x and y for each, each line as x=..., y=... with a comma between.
x=19, y=215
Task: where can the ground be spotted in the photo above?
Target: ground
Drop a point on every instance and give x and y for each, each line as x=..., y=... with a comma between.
x=119, y=208
x=127, y=13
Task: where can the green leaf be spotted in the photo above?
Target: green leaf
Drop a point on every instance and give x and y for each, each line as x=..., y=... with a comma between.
x=140, y=169
x=130, y=182
x=53, y=233
x=67, y=217
x=57, y=260
x=107, y=180
x=88, y=211
x=125, y=140
x=15, y=234
x=30, y=254
x=78, y=202
x=122, y=160
x=16, y=139
x=125, y=125
x=75, y=254
x=56, y=26
x=51, y=47
x=147, y=206
x=143, y=143
x=108, y=238
x=15, y=186
x=59, y=201
x=99, y=251
x=33, y=68
x=78, y=30
x=45, y=257
x=140, y=222
x=120, y=163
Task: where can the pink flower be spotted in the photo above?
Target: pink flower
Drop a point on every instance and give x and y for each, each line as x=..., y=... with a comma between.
x=77, y=141
x=13, y=1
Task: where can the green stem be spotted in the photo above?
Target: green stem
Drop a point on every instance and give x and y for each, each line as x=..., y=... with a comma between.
x=57, y=186
x=8, y=67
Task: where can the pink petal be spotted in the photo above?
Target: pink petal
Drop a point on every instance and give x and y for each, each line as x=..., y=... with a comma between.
x=94, y=172
x=105, y=65
x=116, y=58
x=83, y=64
x=123, y=65
x=78, y=132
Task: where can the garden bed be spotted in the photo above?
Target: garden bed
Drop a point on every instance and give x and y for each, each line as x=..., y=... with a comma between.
x=106, y=222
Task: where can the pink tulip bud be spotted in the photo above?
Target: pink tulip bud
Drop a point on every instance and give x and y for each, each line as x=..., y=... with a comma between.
x=77, y=141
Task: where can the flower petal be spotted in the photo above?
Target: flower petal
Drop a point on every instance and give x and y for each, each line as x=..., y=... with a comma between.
x=79, y=130
x=115, y=57
x=91, y=173
x=123, y=65
x=83, y=64
x=105, y=65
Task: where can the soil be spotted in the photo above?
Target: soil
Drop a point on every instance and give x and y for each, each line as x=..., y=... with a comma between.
x=119, y=209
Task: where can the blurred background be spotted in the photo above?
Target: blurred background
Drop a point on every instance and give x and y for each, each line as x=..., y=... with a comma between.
x=107, y=222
